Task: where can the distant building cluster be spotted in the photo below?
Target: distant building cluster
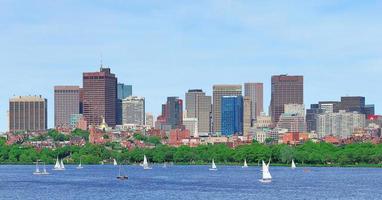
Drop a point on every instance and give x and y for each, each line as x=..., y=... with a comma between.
x=103, y=105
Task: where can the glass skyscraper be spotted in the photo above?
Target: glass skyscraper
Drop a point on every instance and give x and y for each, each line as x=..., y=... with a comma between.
x=232, y=115
x=124, y=91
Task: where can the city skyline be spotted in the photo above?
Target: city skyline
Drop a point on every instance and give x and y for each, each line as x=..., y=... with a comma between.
x=337, y=61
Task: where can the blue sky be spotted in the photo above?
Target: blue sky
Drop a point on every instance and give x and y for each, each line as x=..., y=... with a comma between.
x=164, y=47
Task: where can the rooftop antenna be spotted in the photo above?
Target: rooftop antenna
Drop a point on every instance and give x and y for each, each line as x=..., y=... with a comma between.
x=101, y=61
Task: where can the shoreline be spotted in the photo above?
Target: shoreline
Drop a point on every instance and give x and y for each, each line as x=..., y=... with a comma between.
x=221, y=164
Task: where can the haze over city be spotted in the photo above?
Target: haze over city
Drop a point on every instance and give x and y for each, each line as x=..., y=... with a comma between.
x=165, y=48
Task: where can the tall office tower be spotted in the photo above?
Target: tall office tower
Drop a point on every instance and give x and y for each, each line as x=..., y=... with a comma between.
x=28, y=113
x=100, y=97
x=353, y=104
x=81, y=94
x=133, y=110
x=198, y=106
x=174, y=112
x=124, y=91
x=66, y=103
x=204, y=115
x=192, y=97
x=255, y=92
x=247, y=115
x=369, y=109
x=232, y=115
x=341, y=124
x=218, y=92
x=285, y=90
x=149, y=120
x=311, y=117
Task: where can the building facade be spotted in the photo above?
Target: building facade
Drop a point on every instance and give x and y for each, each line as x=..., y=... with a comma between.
x=255, y=92
x=124, y=91
x=341, y=124
x=285, y=90
x=100, y=97
x=247, y=115
x=66, y=103
x=149, y=120
x=198, y=105
x=232, y=115
x=174, y=112
x=133, y=111
x=28, y=113
x=218, y=92
x=191, y=124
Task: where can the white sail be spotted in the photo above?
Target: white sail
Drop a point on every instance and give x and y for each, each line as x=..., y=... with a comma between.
x=62, y=166
x=44, y=172
x=145, y=163
x=263, y=166
x=266, y=174
x=115, y=163
x=80, y=165
x=293, y=165
x=37, y=168
x=267, y=177
x=57, y=165
x=213, y=166
x=245, y=163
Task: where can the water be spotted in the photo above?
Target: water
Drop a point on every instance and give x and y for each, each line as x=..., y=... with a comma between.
x=190, y=182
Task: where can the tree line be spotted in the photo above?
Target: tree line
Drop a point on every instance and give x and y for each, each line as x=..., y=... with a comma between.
x=308, y=153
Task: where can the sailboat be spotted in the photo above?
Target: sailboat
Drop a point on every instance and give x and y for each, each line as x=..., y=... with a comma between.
x=293, y=165
x=37, y=172
x=115, y=163
x=245, y=164
x=80, y=165
x=267, y=177
x=145, y=163
x=62, y=166
x=120, y=176
x=57, y=166
x=44, y=172
x=164, y=165
x=213, y=166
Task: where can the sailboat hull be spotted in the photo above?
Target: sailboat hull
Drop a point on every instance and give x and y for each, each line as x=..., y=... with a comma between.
x=211, y=169
x=265, y=180
x=122, y=177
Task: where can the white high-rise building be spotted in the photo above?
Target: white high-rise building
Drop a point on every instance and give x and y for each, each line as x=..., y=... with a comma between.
x=191, y=124
x=133, y=110
x=341, y=124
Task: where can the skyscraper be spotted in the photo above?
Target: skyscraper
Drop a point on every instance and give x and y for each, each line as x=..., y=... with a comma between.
x=218, y=92
x=66, y=103
x=285, y=90
x=133, y=110
x=247, y=115
x=192, y=97
x=232, y=115
x=174, y=112
x=198, y=106
x=28, y=113
x=100, y=97
x=123, y=91
x=255, y=92
x=353, y=104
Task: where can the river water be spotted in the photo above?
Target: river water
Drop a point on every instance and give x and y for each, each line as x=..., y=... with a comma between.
x=190, y=182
